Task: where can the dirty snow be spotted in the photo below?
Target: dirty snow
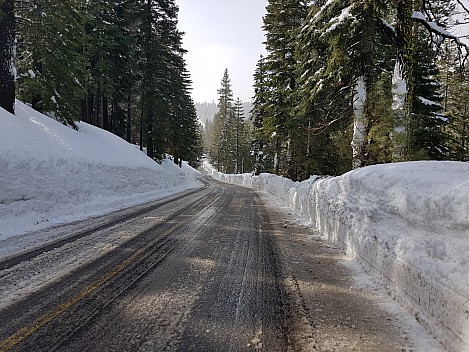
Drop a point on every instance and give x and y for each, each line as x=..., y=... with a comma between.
x=406, y=223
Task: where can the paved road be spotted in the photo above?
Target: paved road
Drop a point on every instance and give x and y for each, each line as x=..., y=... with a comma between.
x=207, y=271
x=197, y=273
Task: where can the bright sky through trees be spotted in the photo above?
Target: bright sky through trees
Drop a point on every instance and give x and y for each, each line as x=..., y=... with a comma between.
x=222, y=34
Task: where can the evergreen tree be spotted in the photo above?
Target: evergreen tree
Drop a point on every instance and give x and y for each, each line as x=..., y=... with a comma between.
x=161, y=49
x=323, y=71
x=185, y=140
x=244, y=159
x=427, y=139
x=281, y=24
x=103, y=30
x=344, y=71
x=238, y=115
x=7, y=53
x=260, y=145
x=113, y=52
x=223, y=150
x=455, y=93
x=434, y=16
x=228, y=137
x=51, y=61
x=347, y=46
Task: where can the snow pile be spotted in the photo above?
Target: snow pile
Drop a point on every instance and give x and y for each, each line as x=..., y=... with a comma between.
x=408, y=223
x=51, y=174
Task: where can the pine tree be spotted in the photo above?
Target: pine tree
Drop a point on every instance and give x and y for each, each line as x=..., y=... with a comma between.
x=161, y=49
x=344, y=59
x=262, y=134
x=51, y=61
x=103, y=41
x=113, y=53
x=222, y=150
x=455, y=94
x=184, y=130
x=346, y=46
x=427, y=139
x=281, y=24
x=243, y=137
x=7, y=53
x=434, y=16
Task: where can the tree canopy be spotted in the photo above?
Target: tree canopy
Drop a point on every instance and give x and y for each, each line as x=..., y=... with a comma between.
x=117, y=64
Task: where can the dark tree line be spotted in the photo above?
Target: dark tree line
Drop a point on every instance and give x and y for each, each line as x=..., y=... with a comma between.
x=7, y=52
x=116, y=64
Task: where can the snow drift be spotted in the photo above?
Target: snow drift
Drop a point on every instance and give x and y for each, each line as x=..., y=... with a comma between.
x=408, y=223
x=50, y=173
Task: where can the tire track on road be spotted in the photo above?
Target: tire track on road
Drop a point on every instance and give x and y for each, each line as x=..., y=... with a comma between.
x=169, y=225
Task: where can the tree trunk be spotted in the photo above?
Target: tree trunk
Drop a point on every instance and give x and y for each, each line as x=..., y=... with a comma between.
x=149, y=135
x=84, y=113
x=129, y=119
x=405, y=49
x=7, y=55
x=99, y=121
x=364, y=85
x=141, y=130
x=399, y=92
x=278, y=151
x=359, y=124
x=90, y=109
x=106, y=124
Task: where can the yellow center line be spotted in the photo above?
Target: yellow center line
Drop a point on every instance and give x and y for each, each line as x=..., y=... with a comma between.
x=25, y=332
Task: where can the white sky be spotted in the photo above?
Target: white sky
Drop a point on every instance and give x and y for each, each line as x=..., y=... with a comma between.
x=222, y=34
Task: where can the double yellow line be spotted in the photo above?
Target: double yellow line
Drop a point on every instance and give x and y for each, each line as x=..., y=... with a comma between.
x=23, y=333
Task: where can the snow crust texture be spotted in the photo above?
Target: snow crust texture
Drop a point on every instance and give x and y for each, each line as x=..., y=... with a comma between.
x=407, y=223
x=51, y=174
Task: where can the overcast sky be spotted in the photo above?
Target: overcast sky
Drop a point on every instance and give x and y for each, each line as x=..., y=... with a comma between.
x=222, y=34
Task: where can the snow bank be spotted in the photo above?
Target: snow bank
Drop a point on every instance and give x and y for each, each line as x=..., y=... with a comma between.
x=408, y=223
x=51, y=174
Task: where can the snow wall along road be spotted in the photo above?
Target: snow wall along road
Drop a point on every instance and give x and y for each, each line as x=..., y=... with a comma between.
x=407, y=223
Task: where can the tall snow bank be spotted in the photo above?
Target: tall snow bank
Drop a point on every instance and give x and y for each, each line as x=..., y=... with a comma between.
x=408, y=223
x=50, y=173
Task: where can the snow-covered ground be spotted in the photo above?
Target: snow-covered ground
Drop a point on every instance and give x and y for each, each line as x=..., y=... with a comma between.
x=51, y=174
x=406, y=223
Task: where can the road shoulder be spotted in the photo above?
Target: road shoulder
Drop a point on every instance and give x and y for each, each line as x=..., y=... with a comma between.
x=330, y=311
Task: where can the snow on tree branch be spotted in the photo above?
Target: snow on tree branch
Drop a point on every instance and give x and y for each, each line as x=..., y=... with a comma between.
x=434, y=28
x=463, y=6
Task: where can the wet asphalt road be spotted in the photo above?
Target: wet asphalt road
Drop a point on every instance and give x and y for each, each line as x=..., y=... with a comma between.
x=215, y=269
x=199, y=273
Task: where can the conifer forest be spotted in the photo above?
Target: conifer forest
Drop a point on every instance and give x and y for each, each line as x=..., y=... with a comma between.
x=116, y=64
x=350, y=83
x=343, y=84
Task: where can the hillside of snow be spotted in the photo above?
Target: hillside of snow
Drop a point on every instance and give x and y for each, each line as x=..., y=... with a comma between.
x=51, y=174
x=406, y=223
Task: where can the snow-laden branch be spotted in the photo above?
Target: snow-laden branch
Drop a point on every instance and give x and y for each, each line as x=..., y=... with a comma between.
x=337, y=21
x=463, y=6
x=321, y=10
x=433, y=27
x=388, y=26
